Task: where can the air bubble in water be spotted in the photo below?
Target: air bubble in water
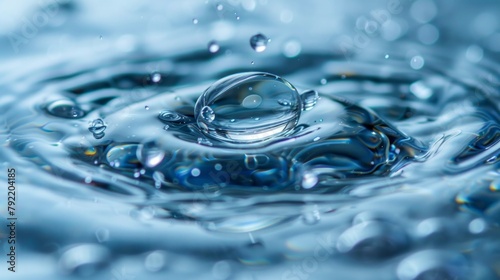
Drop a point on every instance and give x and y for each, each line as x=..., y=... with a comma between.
x=213, y=47
x=220, y=7
x=195, y=21
x=258, y=42
x=236, y=107
x=65, y=109
x=146, y=107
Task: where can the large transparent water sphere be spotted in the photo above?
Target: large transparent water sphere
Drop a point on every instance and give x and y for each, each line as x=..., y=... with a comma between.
x=248, y=107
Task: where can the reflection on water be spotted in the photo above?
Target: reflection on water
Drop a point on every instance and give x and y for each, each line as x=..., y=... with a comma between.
x=252, y=139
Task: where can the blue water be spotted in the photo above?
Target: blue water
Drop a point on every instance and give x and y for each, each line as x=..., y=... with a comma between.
x=251, y=139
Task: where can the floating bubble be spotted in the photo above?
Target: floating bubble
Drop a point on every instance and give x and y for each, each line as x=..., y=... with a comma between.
x=237, y=108
x=172, y=117
x=150, y=154
x=65, y=109
x=195, y=21
x=155, y=261
x=213, y=47
x=417, y=62
x=259, y=42
x=292, y=48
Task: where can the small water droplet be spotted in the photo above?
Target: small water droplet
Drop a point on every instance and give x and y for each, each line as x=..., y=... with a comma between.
x=65, y=109
x=417, y=62
x=218, y=167
x=309, y=180
x=195, y=172
x=259, y=42
x=309, y=99
x=146, y=107
x=237, y=18
x=208, y=114
x=323, y=81
x=220, y=7
x=100, y=37
x=213, y=47
x=97, y=128
x=155, y=261
x=311, y=217
x=155, y=77
x=316, y=138
x=292, y=48
x=195, y=21
x=386, y=56
x=150, y=154
x=166, y=127
x=252, y=62
x=284, y=102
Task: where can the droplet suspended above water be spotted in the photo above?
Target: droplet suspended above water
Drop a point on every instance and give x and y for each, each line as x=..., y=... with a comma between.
x=65, y=109
x=258, y=42
x=213, y=46
x=250, y=107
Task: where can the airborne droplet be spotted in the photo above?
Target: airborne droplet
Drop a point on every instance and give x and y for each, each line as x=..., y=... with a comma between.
x=259, y=42
x=213, y=47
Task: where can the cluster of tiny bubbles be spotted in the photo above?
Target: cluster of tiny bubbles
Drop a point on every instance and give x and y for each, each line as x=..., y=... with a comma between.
x=251, y=107
x=213, y=46
x=65, y=109
x=97, y=128
x=258, y=42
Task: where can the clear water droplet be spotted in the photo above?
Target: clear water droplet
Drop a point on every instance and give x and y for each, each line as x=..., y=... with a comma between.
x=65, y=109
x=220, y=7
x=100, y=37
x=195, y=172
x=386, y=56
x=284, y=102
x=258, y=42
x=237, y=108
x=252, y=62
x=155, y=77
x=146, y=107
x=316, y=138
x=97, y=128
x=237, y=18
x=311, y=217
x=213, y=47
x=309, y=99
x=195, y=21
x=323, y=81
x=149, y=154
x=155, y=261
x=309, y=180
x=417, y=62
x=208, y=114
x=166, y=127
